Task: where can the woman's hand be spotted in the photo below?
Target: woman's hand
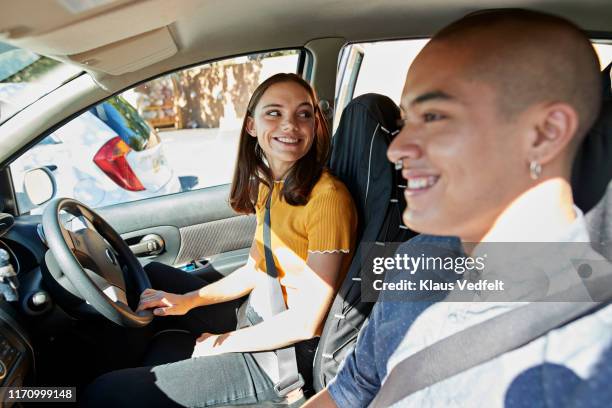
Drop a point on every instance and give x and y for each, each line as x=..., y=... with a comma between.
x=313, y=293
x=209, y=345
x=164, y=303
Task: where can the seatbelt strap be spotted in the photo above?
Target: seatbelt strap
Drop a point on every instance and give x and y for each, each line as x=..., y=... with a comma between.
x=481, y=343
x=289, y=378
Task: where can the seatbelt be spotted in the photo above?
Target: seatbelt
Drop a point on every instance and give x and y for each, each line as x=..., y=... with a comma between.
x=483, y=342
x=289, y=378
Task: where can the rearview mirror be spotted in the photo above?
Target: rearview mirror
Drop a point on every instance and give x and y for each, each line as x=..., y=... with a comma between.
x=39, y=185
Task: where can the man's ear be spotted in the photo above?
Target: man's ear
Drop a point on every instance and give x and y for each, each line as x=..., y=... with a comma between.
x=250, y=126
x=555, y=128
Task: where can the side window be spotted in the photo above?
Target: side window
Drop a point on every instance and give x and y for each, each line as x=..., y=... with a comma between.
x=175, y=133
x=389, y=60
x=381, y=67
x=378, y=67
x=349, y=65
x=604, y=52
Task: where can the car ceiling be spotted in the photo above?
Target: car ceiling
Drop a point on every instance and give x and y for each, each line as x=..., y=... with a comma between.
x=125, y=41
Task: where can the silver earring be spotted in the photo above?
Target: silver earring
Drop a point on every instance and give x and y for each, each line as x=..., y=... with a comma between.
x=535, y=170
x=399, y=164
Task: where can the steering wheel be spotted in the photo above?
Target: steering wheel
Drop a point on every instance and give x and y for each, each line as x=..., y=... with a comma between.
x=96, y=261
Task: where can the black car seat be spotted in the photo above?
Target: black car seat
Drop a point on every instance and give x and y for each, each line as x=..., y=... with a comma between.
x=359, y=159
x=592, y=173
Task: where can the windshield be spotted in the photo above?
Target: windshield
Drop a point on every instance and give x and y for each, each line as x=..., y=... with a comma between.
x=25, y=77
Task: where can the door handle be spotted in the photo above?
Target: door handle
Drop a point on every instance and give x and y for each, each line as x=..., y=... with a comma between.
x=151, y=244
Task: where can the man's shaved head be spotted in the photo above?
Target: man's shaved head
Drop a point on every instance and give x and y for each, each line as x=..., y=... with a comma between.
x=530, y=57
x=493, y=110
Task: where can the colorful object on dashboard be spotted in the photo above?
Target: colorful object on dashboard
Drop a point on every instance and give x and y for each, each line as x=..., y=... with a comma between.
x=111, y=158
x=191, y=266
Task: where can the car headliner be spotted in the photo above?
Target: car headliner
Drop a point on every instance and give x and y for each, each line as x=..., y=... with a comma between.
x=207, y=29
x=124, y=42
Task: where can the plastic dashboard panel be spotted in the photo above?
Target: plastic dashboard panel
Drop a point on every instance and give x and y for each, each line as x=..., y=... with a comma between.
x=15, y=350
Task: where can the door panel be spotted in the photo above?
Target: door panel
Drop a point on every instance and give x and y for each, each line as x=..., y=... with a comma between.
x=218, y=266
x=170, y=236
x=228, y=262
x=215, y=237
x=179, y=210
x=193, y=225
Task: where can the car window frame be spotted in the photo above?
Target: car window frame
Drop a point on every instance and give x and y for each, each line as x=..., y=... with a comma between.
x=346, y=84
x=9, y=204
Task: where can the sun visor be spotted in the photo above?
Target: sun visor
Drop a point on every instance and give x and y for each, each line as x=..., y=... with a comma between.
x=129, y=55
x=68, y=27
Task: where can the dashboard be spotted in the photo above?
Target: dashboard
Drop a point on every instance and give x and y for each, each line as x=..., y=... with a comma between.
x=17, y=366
x=48, y=336
x=16, y=353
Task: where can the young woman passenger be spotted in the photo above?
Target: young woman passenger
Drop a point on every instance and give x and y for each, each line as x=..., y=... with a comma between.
x=284, y=145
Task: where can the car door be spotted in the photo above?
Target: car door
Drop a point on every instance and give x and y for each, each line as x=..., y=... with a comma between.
x=190, y=120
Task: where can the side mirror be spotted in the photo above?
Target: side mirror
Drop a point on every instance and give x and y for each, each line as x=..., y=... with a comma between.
x=39, y=185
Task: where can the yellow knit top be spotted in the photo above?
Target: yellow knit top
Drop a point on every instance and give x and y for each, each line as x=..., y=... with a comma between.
x=327, y=223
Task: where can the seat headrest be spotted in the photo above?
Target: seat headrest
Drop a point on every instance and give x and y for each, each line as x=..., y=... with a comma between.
x=592, y=170
x=379, y=108
x=606, y=78
x=359, y=151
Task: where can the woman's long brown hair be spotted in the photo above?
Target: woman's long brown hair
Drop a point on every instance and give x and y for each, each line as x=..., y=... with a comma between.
x=251, y=169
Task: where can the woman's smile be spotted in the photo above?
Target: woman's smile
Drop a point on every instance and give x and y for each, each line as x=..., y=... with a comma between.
x=287, y=140
x=288, y=143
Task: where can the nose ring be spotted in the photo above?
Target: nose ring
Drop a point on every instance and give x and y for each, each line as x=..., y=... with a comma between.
x=399, y=164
